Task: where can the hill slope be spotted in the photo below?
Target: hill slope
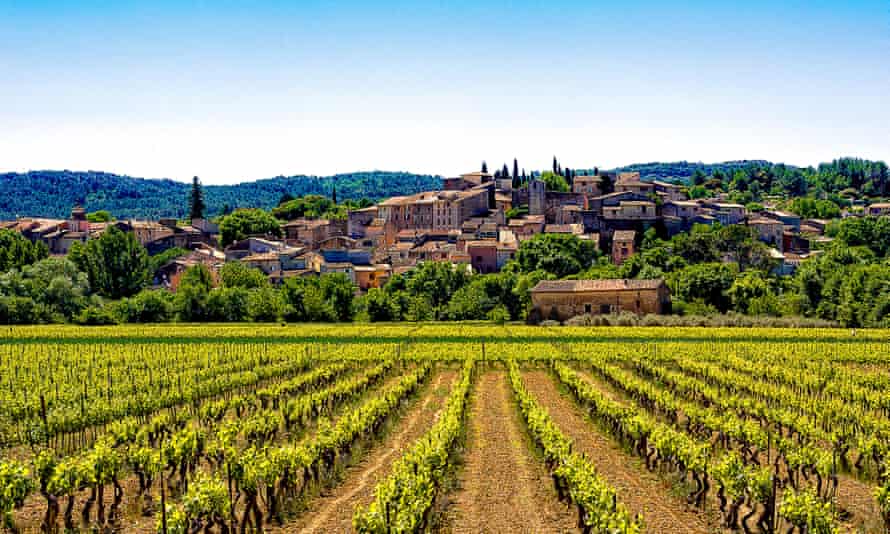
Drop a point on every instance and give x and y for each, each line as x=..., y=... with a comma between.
x=53, y=193
x=683, y=170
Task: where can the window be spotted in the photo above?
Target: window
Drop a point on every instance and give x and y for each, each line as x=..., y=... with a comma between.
x=588, y=308
x=604, y=308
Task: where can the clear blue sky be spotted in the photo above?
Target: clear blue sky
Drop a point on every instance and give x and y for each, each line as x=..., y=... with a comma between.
x=235, y=91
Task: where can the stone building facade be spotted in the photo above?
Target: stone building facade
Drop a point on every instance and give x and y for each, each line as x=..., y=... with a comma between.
x=563, y=299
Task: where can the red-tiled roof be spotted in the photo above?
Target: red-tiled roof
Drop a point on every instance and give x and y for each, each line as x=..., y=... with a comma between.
x=617, y=284
x=623, y=235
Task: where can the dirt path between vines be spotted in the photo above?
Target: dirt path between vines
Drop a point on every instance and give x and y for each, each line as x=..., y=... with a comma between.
x=333, y=511
x=638, y=489
x=854, y=496
x=502, y=486
x=130, y=519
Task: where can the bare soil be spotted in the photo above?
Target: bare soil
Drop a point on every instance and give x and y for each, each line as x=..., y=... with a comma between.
x=638, y=489
x=333, y=511
x=503, y=487
x=854, y=497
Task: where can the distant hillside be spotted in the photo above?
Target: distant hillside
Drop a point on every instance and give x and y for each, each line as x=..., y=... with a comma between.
x=53, y=193
x=683, y=170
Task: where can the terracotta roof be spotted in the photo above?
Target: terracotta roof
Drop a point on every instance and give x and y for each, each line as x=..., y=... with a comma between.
x=482, y=243
x=619, y=284
x=563, y=229
x=306, y=223
x=264, y=256
x=764, y=221
x=624, y=235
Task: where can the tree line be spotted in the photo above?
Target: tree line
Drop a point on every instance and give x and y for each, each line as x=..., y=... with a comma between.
x=710, y=270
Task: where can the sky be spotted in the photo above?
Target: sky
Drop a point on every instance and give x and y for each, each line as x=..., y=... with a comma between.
x=234, y=91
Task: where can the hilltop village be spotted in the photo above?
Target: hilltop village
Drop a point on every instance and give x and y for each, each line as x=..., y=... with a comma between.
x=476, y=224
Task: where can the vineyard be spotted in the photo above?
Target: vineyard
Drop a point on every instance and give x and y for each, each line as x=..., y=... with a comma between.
x=443, y=428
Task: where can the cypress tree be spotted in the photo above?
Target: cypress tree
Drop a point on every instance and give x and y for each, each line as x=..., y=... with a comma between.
x=515, y=168
x=334, y=194
x=196, y=201
x=484, y=166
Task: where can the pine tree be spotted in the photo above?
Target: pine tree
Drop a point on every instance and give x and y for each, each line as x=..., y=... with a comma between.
x=334, y=194
x=196, y=201
x=484, y=166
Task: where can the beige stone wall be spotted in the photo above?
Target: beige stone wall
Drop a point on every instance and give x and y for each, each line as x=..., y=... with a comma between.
x=595, y=302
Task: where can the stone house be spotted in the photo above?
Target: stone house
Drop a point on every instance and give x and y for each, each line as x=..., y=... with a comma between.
x=879, y=208
x=588, y=185
x=563, y=299
x=622, y=245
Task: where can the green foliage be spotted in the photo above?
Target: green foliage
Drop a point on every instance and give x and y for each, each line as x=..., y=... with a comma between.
x=100, y=216
x=246, y=222
x=196, y=200
x=96, y=315
x=811, y=208
x=193, y=293
x=16, y=251
x=147, y=306
x=23, y=310
x=751, y=293
x=265, y=305
x=116, y=263
x=410, y=489
x=498, y=315
x=436, y=281
x=871, y=232
x=698, y=191
x=15, y=485
x=554, y=182
x=328, y=298
x=311, y=206
x=558, y=254
x=52, y=193
x=707, y=283
x=382, y=306
x=809, y=513
x=749, y=180
x=515, y=213
x=159, y=260
x=238, y=274
x=228, y=304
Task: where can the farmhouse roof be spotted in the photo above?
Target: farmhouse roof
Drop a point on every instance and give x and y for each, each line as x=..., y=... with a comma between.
x=615, y=284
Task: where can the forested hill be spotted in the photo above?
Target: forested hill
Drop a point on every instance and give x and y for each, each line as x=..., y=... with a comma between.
x=683, y=170
x=848, y=176
x=53, y=193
